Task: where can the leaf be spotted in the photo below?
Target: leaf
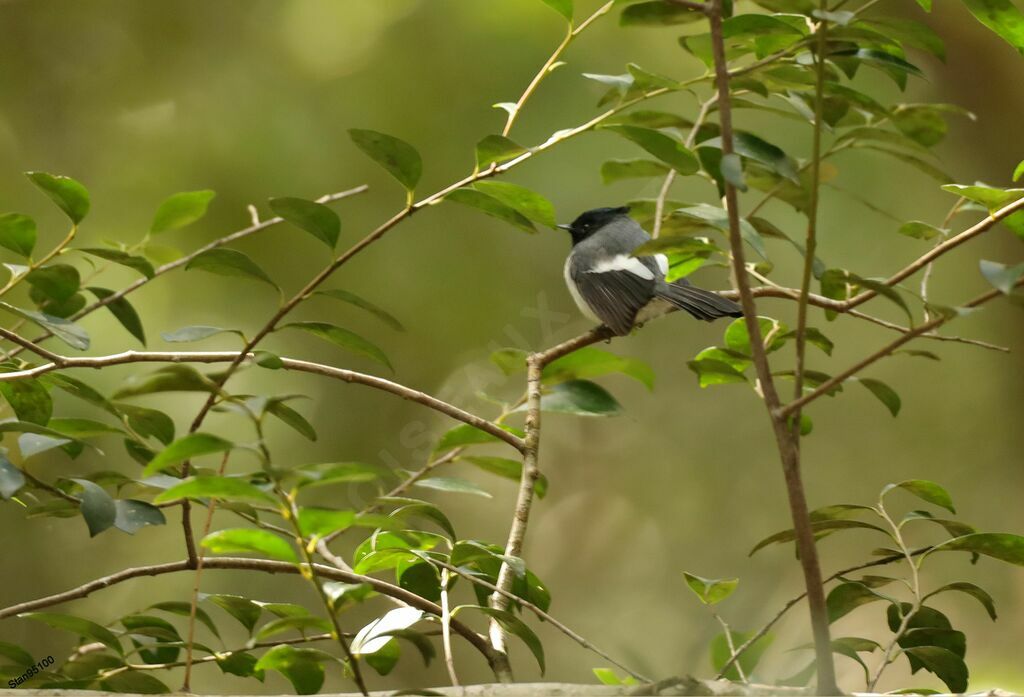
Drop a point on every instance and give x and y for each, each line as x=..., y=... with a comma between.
x=375, y=310
x=241, y=664
x=229, y=262
x=886, y=395
x=509, y=360
x=300, y=623
x=302, y=667
x=738, y=339
x=847, y=597
x=528, y=203
x=133, y=515
x=68, y=332
x=711, y=591
x=513, y=625
x=186, y=448
x=1002, y=277
x=134, y=682
x=464, y=434
x=70, y=196
x=509, y=469
x=453, y=485
x=714, y=371
x=617, y=170
x=29, y=400
x=97, y=507
x=1003, y=546
x=242, y=609
x=180, y=210
x=196, y=332
x=1002, y=17
x=945, y=664
x=755, y=148
x=580, y=397
x=250, y=540
x=137, y=263
x=562, y=7
x=292, y=418
x=373, y=637
x=224, y=488
x=148, y=423
x=926, y=490
x=977, y=592
x=123, y=312
x=11, y=478
x=78, y=626
x=658, y=14
x=18, y=655
x=495, y=149
x=491, y=206
x=396, y=156
x=1019, y=172
x=18, y=233
x=816, y=526
x=731, y=167
x=590, y=362
x=315, y=218
x=343, y=338
x=324, y=521
x=661, y=145
x=748, y=660
x=920, y=231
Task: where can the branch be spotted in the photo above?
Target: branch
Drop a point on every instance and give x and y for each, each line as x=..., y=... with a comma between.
x=342, y=374
x=242, y=563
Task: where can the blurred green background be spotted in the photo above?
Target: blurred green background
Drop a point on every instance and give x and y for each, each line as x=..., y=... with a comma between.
x=253, y=99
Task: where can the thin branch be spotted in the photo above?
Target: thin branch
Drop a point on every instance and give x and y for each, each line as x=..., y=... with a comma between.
x=245, y=564
x=342, y=374
x=446, y=629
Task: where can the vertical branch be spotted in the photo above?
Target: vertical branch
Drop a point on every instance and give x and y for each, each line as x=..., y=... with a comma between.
x=788, y=452
x=446, y=628
x=517, y=533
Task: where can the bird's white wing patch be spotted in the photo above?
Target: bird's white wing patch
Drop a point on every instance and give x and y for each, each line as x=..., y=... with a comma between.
x=623, y=263
x=662, y=263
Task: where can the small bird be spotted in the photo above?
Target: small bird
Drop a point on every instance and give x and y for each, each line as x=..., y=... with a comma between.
x=623, y=291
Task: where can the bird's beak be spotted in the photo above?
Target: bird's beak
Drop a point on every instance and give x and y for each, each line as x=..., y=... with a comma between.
x=563, y=226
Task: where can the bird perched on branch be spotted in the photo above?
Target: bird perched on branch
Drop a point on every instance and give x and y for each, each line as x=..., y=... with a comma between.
x=622, y=291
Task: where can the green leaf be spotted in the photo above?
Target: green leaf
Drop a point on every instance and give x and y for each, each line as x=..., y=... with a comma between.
x=68, y=332
x=134, y=682
x=977, y=592
x=225, y=488
x=816, y=526
x=315, y=218
x=148, y=423
x=137, y=263
x=241, y=664
x=495, y=149
x=617, y=170
x=925, y=490
x=375, y=310
x=77, y=626
x=562, y=7
x=491, y=206
x=1002, y=277
x=344, y=338
x=396, y=156
x=11, y=479
x=29, y=400
x=21, y=658
x=242, y=609
x=180, y=210
x=18, y=233
x=302, y=667
x=755, y=148
x=920, y=231
x=663, y=146
x=513, y=625
x=945, y=664
x=580, y=397
x=1003, y=546
x=70, y=196
x=229, y=262
x=324, y=521
x=711, y=591
x=300, y=623
x=528, y=203
x=1002, y=17
x=133, y=515
x=885, y=394
x=1019, y=172
x=748, y=661
x=250, y=540
x=712, y=370
x=712, y=216
x=453, y=485
x=464, y=434
x=591, y=362
x=738, y=339
x=993, y=199
x=847, y=597
x=196, y=332
x=292, y=418
x=186, y=448
x=123, y=312
x=509, y=469
x=731, y=167
x=657, y=13
x=509, y=360
x=97, y=507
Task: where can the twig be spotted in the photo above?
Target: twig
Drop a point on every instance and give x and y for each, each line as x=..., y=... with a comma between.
x=446, y=630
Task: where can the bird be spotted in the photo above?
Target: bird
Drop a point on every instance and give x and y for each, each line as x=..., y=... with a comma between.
x=622, y=291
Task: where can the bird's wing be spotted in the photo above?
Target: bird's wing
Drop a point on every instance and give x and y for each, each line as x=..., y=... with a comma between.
x=616, y=289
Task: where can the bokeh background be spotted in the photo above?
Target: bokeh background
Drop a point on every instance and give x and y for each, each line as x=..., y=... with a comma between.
x=253, y=98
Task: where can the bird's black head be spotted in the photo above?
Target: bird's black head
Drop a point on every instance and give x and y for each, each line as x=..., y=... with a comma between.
x=593, y=220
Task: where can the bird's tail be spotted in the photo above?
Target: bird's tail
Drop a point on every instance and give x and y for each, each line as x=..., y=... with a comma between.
x=702, y=304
